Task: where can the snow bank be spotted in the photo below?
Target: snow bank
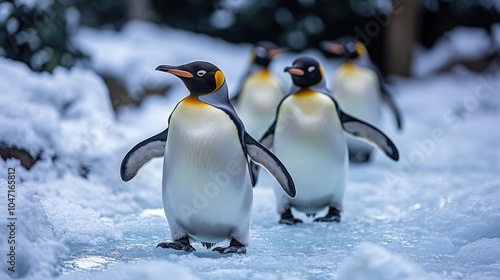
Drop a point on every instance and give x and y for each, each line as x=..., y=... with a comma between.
x=373, y=262
x=459, y=43
x=149, y=270
x=38, y=250
x=143, y=46
x=59, y=116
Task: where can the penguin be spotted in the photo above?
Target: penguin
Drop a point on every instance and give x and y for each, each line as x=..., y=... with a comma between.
x=307, y=135
x=207, y=184
x=260, y=90
x=360, y=89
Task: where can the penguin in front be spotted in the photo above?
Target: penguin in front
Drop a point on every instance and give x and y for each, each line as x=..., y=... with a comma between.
x=360, y=90
x=307, y=135
x=207, y=183
x=260, y=90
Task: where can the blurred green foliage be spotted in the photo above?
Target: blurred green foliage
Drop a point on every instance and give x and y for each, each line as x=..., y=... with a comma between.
x=39, y=32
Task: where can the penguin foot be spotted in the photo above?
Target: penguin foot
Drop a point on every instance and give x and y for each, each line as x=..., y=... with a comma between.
x=180, y=244
x=288, y=219
x=234, y=247
x=360, y=157
x=332, y=216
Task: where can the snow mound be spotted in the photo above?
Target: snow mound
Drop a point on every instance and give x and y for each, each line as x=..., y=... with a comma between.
x=149, y=270
x=483, y=251
x=460, y=43
x=373, y=262
x=60, y=115
x=37, y=249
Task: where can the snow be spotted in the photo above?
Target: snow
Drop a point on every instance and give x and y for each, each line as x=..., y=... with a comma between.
x=460, y=43
x=433, y=215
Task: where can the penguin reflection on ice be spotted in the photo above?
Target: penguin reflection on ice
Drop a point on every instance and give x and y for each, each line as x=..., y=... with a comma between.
x=307, y=135
x=207, y=183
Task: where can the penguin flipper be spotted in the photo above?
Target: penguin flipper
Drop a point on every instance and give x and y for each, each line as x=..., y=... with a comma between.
x=392, y=105
x=142, y=153
x=234, y=98
x=387, y=97
x=369, y=133
x=267, y=140
x=262, y=156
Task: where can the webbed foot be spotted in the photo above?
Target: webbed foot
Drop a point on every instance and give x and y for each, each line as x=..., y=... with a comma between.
x=288, y=219
x=180, y=244
x=234, y=247
x=332, y=216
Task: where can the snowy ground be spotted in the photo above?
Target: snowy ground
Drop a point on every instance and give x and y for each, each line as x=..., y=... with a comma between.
x=433, y=215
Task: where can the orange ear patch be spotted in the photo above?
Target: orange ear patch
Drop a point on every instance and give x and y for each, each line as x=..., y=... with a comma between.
x=219, y=79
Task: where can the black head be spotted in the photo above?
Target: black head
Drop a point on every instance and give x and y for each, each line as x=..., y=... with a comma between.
x=347, y=47
x=306, y=72
x=264, y=52
x=200, y=77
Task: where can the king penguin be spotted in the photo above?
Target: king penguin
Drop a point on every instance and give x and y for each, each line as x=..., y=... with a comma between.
x=260, y=90
x=308, y=137
x=207, y=183
x=360, y=90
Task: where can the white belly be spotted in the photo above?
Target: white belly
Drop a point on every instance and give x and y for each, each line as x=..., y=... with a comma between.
x=358, y=94
x=257, y=105
x=311, y=144
x=206, y=185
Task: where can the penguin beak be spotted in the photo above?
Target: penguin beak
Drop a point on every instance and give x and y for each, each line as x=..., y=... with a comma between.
x=275, y=52
x=331, y=47
x=174, y=70
x=294, y=71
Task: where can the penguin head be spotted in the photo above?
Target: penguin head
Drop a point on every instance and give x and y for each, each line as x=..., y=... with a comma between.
x=306, y=72
x=348, y=47
x=264, y=52
x=199, y=77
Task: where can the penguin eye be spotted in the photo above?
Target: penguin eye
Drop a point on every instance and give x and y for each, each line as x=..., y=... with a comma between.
x=260, y=52
x=201, y=73
x=310, y=69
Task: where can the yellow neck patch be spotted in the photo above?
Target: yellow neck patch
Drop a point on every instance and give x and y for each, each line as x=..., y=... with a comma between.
x=349, y=67
x=193, y=100
x=304, y=92
x=263, y=73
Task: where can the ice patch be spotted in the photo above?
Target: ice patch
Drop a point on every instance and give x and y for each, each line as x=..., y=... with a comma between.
x=149, y=270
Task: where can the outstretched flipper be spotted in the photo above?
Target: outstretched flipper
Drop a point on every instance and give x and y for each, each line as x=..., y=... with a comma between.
x=262, y=156
x=386, y=96
x=267, y=140
x=392, y=105
x=369, y=133
x=142, y=153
